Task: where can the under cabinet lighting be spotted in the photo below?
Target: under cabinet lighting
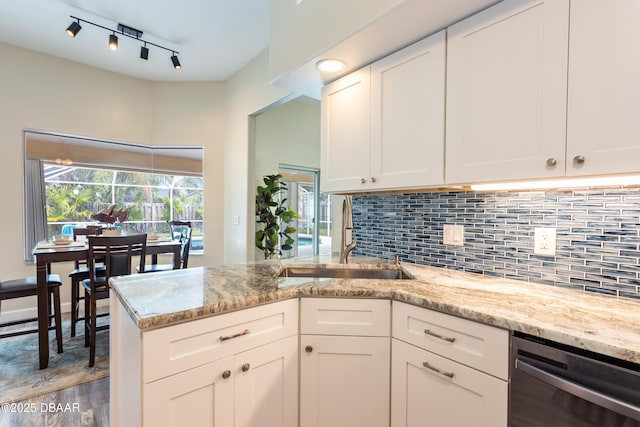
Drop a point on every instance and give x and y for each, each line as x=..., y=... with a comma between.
x=559, y=183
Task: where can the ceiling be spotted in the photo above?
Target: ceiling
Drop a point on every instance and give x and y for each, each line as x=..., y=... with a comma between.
x=214, y=38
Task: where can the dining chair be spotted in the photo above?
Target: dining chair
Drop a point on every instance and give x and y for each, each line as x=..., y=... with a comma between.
x=28, y=287
x=179, y=231
x=116, y=252
x=80, y=273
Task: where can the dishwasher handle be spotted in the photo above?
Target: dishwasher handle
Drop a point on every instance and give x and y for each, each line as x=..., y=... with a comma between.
x=578, y=390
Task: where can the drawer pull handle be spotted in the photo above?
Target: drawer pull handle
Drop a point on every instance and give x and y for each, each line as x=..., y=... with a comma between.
x=230, y=337
x=308, y=349
x=438, y=371
x=442, y=337
x=226, y=374
x=246, y=367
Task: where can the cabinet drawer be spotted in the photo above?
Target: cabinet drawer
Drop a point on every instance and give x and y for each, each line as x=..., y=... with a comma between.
x=473, y=344
x=344, y=316
x=177, y=348
x=430, y=390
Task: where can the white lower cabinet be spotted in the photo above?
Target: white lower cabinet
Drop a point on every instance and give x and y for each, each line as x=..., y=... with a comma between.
x=431, y=391
x=344, y=378
x=252, y=389
x=344, y=381
x=447, y=371
x=202, y=396
x=238, y=369
x=353, y=362
x=266, y=385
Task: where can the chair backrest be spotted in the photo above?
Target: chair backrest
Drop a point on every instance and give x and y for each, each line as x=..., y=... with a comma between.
x=84, y=231
x=116, y=252
x=181, y=231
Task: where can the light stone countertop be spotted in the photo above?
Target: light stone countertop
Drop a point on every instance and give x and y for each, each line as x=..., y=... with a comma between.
x=602, y=324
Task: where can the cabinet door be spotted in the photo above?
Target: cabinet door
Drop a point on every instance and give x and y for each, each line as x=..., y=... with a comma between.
x=266, y=385
x=199, y=397
x=344, y=381
x=506, y=92
x=457, y=396
x=345, y=133
x=604, y=90
x=407, y=116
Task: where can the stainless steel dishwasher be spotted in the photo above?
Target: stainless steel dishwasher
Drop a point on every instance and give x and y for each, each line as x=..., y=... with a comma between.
x=553, y=385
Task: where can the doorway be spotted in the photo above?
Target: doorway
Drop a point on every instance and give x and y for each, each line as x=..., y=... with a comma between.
x=313, y=225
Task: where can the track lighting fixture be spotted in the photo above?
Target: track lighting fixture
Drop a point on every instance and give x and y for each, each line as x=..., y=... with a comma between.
x=74, y=28
x=126, y=31
x=176, y=62
x=113, y=42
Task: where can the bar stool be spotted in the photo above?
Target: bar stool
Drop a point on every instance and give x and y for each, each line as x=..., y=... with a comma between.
x=27, y=287
x=80, y=273
x=180, y=231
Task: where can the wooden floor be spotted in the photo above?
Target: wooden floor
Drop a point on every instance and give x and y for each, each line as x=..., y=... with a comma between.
x=83, y=405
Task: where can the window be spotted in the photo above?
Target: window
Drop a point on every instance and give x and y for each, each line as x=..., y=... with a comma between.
x=73, y=194
x=68, y=179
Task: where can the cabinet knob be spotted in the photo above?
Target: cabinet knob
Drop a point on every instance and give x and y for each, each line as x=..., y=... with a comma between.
x=308, y=349
x=246, y=367
x=363, y=181
x=373, y=179
x=551, y=162
x=226, y=374
x=578, y=160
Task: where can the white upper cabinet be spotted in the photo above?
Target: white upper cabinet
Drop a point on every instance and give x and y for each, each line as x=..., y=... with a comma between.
x=604, y=88
x=344, y=153
x=506, y=92
x=383, y=126
x=407, y=116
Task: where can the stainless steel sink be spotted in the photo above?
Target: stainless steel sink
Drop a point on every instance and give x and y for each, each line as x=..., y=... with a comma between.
x=345, y=273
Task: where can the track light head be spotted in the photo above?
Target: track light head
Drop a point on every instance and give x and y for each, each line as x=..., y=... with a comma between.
x=113, y=42
x=74, y=28
x=144, y=52
x=176, y=62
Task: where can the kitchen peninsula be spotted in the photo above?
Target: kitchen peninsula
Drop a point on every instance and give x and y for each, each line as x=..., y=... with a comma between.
x=163, y=323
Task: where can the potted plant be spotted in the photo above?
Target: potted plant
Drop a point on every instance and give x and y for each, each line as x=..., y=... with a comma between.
x=274, y=217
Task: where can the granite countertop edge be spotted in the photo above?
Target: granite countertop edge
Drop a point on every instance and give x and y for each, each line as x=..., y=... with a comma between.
x=602, y=324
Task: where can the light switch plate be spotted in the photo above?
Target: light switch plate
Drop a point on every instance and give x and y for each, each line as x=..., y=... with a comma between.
x=544, y=242
x=453, y=235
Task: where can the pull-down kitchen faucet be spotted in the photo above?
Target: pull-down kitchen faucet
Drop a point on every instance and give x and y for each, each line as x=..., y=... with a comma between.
x=347, y=223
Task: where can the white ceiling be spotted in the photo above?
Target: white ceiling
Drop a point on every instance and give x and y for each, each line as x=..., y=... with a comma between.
x=214, y=38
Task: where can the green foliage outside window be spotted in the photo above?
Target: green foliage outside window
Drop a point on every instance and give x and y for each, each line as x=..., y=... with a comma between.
x=73, y=194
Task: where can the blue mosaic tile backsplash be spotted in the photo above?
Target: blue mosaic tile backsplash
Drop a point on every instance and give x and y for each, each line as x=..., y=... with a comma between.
x=598, y=234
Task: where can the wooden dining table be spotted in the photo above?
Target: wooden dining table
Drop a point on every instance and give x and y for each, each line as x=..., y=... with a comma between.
x=45, y=256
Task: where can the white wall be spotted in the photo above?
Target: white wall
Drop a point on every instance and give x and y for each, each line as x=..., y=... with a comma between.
x=288, y=133
x=301, y=30
x=285, y=134
x=193, y=114
x=46, y=93
x=246, y=93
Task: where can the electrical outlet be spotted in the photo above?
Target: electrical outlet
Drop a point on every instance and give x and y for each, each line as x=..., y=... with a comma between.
x=544, y=242
x=453, y=235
